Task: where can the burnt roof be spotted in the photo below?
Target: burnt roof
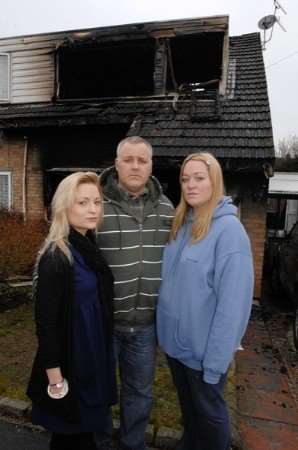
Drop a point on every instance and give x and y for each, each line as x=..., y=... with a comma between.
x=237, y=125
x=243, y=128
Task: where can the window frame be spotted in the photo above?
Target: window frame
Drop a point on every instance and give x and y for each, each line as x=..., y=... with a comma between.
x=7, y=99
x=9, y=190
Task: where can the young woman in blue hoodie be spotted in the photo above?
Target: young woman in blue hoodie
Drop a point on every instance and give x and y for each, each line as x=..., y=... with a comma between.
x=205, y=300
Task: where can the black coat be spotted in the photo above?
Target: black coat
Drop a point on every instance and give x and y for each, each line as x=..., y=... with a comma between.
x=53, y=315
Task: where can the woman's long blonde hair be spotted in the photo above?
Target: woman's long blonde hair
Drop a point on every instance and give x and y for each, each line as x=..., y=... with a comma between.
x=63, y=199
x=202, y=222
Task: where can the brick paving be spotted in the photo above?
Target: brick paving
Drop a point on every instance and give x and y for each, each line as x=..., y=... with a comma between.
x=268, y=416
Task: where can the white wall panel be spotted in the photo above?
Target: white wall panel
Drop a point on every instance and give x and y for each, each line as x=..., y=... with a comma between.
x=32, y=66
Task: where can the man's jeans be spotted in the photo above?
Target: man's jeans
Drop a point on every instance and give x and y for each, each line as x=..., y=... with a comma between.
x=135, y=350
x=204, y=411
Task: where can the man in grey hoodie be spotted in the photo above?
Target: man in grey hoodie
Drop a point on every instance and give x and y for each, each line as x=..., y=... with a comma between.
x=135, y=229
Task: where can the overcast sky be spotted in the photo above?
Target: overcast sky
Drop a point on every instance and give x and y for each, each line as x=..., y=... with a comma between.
x=23, y=17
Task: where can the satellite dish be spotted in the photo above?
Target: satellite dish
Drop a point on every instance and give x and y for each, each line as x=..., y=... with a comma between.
x=267, y=22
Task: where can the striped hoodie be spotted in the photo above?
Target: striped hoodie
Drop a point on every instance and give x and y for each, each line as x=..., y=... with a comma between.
x=134, y=248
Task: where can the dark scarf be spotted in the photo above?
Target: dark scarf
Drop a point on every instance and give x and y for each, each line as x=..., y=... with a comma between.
x=86, y=246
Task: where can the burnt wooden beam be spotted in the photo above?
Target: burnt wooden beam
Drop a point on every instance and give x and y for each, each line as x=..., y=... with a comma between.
x=160, y=67
x=225, y=65
x=171, y=65
x=143, y=30
x=51, y=121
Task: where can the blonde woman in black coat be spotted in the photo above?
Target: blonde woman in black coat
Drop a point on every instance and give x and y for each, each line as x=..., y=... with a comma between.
x=72, y=384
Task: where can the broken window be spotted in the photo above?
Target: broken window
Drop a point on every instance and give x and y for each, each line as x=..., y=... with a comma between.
x=194, y=61
x=109, y=69
x=4, y=77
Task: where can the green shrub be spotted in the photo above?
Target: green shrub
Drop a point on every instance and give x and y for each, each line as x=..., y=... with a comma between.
x=19, y=243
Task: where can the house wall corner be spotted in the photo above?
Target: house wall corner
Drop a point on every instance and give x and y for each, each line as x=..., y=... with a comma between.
x=253, y=217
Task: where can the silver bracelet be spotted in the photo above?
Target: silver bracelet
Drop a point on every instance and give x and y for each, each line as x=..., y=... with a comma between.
x=62, y=393
x=58, y=385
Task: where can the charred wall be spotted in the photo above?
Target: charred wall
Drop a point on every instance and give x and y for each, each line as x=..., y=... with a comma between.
x=139, y=67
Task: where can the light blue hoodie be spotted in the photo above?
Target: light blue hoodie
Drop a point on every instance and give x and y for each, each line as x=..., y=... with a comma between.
x=206, y=294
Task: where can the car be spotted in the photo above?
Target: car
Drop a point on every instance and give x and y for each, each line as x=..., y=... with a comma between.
x=284, y=273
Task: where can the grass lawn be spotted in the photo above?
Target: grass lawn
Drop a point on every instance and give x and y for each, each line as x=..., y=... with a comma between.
x=18, y=344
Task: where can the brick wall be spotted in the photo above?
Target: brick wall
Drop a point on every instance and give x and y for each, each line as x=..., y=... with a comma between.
x=253, y=217
x=12, y=159
x=35, y=202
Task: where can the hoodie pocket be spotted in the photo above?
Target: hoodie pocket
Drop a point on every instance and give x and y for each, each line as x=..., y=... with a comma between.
x=169, y=335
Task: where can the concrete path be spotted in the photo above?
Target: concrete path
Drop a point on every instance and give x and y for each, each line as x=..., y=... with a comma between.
x=15, y=437
x=268, y=416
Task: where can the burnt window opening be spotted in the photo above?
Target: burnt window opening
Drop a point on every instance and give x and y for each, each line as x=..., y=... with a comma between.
x=88, y=146
x=195, y=62
x=66, y=150
x=111, y=69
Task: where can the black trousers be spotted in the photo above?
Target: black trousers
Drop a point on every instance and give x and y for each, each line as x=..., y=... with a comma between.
x=79, y=441
x=204, y=411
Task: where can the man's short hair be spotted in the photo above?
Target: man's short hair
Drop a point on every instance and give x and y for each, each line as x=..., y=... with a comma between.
x=134, y=140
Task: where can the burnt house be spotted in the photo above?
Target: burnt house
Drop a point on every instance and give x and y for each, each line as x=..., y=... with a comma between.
x=67, y=98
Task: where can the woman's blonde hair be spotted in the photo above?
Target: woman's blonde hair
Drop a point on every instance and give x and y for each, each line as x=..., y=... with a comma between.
x=202, y=222
x=63, y=199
